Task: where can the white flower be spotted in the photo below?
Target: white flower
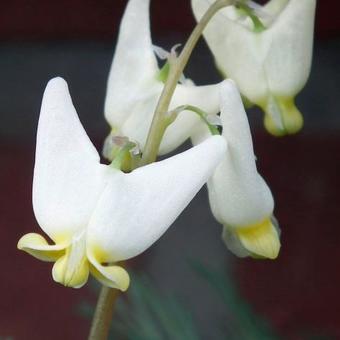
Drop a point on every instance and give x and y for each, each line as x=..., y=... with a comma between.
x=269, y=66
x=239, y=197
x=97, y=215
x=134, y=86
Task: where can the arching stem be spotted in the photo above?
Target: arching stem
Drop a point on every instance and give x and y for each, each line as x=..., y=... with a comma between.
x=159, y=122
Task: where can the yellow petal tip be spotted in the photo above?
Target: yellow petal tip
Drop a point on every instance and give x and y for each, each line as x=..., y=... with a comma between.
x=70, y=274
x=291, y=118
x=122, y=279
x=109, y=274
x=112, y=276
x=262, y=240
x=30, y=240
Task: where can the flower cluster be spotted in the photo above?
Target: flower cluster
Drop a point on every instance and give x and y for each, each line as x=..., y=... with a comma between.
x=98, y=215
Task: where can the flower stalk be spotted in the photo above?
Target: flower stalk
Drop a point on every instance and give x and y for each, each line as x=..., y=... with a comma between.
x=177, y=65
x=103, y=314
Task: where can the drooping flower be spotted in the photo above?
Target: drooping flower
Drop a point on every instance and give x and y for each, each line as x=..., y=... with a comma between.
x=134, y=85
x=269, y=59
x=97, y=215
x=239, y=197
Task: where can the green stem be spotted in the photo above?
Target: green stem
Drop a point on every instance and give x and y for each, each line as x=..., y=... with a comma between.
x=159, y=122
x=103, y=314
x=203, y=115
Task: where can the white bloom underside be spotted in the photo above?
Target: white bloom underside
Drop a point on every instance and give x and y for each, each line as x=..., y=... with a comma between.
x=276, y=61
x=133, y=89
x=97, y=215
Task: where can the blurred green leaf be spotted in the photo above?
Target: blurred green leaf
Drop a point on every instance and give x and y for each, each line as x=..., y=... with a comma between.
x=148, y=315
x=242, y=322
x=143, y=313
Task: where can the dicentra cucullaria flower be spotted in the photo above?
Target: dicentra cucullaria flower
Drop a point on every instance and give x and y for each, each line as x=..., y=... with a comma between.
x=269, y=58
x=239, y=197
x=134, y=86
x=95, y=214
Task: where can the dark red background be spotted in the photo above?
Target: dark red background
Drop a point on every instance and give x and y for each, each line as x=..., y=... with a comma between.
x=77, y=19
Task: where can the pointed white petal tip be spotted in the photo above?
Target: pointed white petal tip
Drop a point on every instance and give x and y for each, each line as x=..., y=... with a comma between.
x=56, y=92
x=57, y=83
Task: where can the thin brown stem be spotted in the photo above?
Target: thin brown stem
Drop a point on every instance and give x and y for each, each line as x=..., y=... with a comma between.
x=103, y=314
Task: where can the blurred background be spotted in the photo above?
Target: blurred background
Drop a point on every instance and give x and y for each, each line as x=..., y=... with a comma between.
x=297, y=296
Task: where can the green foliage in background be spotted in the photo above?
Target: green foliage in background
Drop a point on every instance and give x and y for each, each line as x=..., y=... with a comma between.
x=143, y=313
x=146, y=314
x=241, y=322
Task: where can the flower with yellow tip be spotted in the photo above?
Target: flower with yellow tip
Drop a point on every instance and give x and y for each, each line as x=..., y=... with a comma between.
x=95, y=214
x=239, y=197
x=269, y=58
x=135, y=84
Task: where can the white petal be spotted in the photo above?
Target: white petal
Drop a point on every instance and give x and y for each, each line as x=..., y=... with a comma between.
x=137, y=208
x=137, y=124
x=288, y=61
x=238, y=194
x=68, y=178
x=134, y=64
x=200, y=134
x=204, y=97
x=239, y=52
